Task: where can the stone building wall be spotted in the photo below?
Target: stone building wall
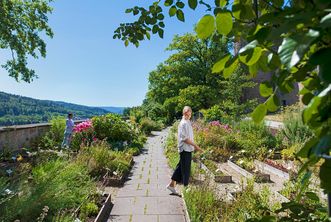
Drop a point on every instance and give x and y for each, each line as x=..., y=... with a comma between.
x=285, y=99
x=252, y=93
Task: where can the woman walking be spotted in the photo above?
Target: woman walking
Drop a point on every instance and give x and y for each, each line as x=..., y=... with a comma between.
x=186, y=146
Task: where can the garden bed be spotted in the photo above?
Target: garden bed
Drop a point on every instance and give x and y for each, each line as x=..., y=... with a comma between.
x=259, y=176
x=105, y=210
x=267, y=167
x=116, y=181
x=216, y=174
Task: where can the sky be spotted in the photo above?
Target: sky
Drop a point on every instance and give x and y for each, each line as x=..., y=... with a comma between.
x=85, y=65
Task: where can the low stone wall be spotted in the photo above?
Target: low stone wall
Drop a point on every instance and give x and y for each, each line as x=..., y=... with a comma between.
x=14, y=138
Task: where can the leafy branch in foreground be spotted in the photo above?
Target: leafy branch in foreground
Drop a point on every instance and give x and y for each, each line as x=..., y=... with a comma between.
x=21, y=25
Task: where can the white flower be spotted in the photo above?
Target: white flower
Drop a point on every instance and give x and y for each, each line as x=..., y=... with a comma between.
x=270, y=150
x=10, y=171
x=231, y=157
x=8, y=192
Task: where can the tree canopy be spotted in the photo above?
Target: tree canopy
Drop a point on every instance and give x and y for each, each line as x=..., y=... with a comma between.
x=186, y=78
x=22, y=22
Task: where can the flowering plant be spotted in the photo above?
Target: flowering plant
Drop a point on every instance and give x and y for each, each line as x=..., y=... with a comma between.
x=84, y=126
x=84, y=134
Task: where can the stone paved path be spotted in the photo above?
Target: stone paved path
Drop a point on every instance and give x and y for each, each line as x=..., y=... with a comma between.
x=144, y=196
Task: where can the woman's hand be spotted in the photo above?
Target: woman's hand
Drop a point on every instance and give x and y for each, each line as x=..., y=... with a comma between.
x=197, y=148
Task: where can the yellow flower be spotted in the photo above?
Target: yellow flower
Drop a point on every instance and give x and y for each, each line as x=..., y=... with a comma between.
x=19, y=158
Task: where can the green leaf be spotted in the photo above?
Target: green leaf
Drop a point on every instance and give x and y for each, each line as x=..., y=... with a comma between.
x=160, y=16
x=311, y=83
x=318, y=109
x=243, y=10
x=273, y=103
x=294, y=47
x=172, y=11
x=306, y=98
x=223, y=3
x=313, y=196
x=259, y=112
x=129, y=10
x=224, y=23
x=180, y=4
x=250, y=53
x=322, y=58
x=161, y=24
x=253, y=70
x=148, y=36
x=193, y=4
x=305, y=150
x=205, y=26
x=326, y=21
x=180, y=15
x=278, y=3
x=155, y=29
x=230, y=68
x=219, y=66
x=325, y=172
x=323, y=146
x=274, y=61
x=266, y=89
x=168, y=2
x=126, y=43
x=262, y=34
x=161, y=32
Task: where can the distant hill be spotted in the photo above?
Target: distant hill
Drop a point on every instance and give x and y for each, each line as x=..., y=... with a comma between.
x=112, y=109
x=17, y=110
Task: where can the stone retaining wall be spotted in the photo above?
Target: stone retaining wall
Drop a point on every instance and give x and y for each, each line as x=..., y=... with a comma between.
x=13, y=138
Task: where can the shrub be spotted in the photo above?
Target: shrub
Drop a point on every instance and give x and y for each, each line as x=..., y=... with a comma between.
x=84, y=134
x=213, y=113
x=202, y=204
x=294, y=130
x=147, y=125
x=113, y=128
x=54, y=137
x=218, y=154
x=248, y=204
x=254, y=139
x=87, y=210
x=134, y=151
x=99, y=159
x=211, y=134
x=289, y=153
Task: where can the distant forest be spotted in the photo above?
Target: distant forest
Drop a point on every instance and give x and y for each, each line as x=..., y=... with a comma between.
x=17, y=110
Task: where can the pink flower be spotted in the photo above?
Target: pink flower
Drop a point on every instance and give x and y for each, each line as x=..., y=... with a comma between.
x=83, y=126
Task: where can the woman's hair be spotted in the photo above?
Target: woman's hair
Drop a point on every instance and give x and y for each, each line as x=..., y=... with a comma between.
x=186, y=109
